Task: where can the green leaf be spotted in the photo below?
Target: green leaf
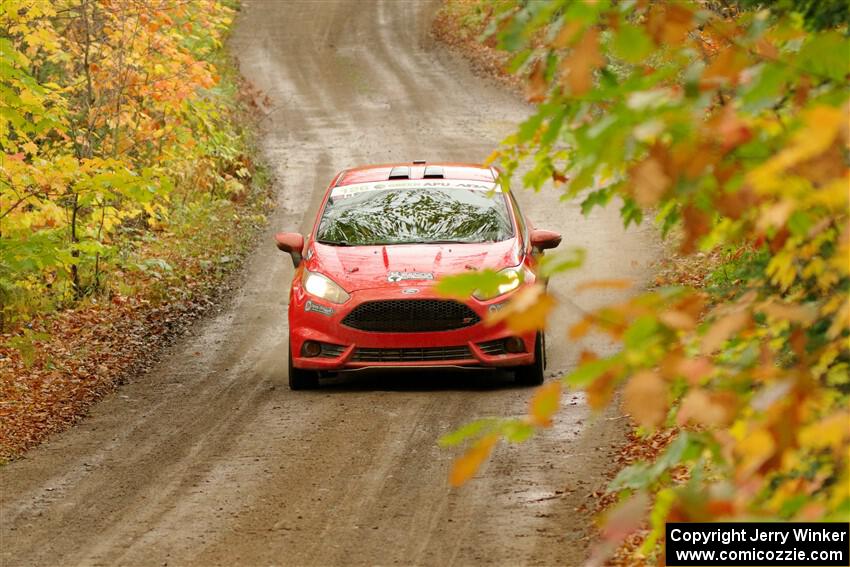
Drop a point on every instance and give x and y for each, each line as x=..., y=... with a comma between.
x=799, y=223
x=562, y=261
x=598, y=198
x=631, y=44
x=517, y=431
x=462, y=286
x=590, y=371
x=766, y=88
x=633, y=477
x=472, y=429
x=640, y=332
x=630, y=212
x=528, y=128
x=685, y=448
x=554, y=127
x=826, y=54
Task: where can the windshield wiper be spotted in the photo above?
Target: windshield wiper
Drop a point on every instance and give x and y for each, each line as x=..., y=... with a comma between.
x=334, y=242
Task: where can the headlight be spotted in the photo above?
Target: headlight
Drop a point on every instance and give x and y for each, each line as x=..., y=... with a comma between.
x=515, y=277
x=323, y=287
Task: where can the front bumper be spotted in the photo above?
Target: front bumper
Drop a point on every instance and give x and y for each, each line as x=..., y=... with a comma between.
x=347, y=348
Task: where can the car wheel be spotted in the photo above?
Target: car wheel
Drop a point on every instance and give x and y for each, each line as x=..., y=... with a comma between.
x=300, y=379
x=532, y=375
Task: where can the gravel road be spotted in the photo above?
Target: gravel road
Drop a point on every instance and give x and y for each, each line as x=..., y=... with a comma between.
x=209, y=459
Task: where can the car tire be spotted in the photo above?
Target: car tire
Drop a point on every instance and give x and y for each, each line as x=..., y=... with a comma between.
x=300, y=379
x=532, y=375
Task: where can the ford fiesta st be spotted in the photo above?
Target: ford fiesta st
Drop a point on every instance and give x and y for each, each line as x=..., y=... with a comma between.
x=363, y=292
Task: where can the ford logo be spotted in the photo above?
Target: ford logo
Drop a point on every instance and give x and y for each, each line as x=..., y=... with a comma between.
x=410, y=290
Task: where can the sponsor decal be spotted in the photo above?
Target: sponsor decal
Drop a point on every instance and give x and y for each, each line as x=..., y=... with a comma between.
x=318, y=308
x=406, y=276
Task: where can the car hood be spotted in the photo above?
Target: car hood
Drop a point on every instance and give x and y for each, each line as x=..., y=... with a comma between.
x=365, y=267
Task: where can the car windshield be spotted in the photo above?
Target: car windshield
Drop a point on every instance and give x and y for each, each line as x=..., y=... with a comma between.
x=381, y=215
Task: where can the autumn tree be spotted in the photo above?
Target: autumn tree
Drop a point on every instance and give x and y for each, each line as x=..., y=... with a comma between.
x=108, y=112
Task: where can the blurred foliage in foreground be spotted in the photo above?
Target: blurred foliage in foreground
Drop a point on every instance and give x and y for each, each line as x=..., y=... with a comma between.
x=118, y=142
x=732, y=128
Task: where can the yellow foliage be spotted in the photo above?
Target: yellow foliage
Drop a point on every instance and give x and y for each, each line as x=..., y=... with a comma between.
x=753, y=450
x=821, y=125
x=830, y=432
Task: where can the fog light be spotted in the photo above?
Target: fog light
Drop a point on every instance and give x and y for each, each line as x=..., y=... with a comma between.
x=311, y=349
x=514, y=345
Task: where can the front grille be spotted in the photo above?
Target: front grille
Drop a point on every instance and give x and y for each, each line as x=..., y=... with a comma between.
x=428, y=354
x=331, y=351
x=411, y=316
x=492, y=348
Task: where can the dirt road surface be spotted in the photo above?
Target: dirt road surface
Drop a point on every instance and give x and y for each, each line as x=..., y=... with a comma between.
x=210, y=460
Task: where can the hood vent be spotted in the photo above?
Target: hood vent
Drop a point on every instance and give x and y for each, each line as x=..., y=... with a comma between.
x=433, y=172
x=400, y=172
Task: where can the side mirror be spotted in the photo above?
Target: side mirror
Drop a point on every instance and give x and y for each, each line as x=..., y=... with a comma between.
x=292, y=243
x=544, y=239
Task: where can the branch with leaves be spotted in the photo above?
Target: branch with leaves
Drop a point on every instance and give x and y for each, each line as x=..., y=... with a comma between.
x=734, y=135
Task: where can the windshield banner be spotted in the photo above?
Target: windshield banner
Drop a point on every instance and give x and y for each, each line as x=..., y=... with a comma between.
x=358, y=188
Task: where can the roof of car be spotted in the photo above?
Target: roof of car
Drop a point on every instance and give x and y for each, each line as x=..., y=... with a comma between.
x=416, y=170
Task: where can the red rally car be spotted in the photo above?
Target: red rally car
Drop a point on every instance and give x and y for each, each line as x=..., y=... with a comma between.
x=363, y=292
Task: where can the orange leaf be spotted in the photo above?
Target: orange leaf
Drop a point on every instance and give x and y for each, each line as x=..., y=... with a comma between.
x=545, y=403
x=580, y=329
x=648, y=182
x=710, y=409
x=691, y=160
x=567, y=33
x=697, y=224
x=766, y=49
x=466, y=466
x=577, y=68
x=600, y=391
x=669, y=365
x=669, y=23
x=645, y=398
x=801, y=314
x=678, y=320
x=734, y=204
x=724, y=328
x=695, y=369
x=626, y=517
x=587, y=356
x=604, y=284
x=535, y=89
x=526, y=311
x=729, y=129
x=725, y=67
x=801, y=93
